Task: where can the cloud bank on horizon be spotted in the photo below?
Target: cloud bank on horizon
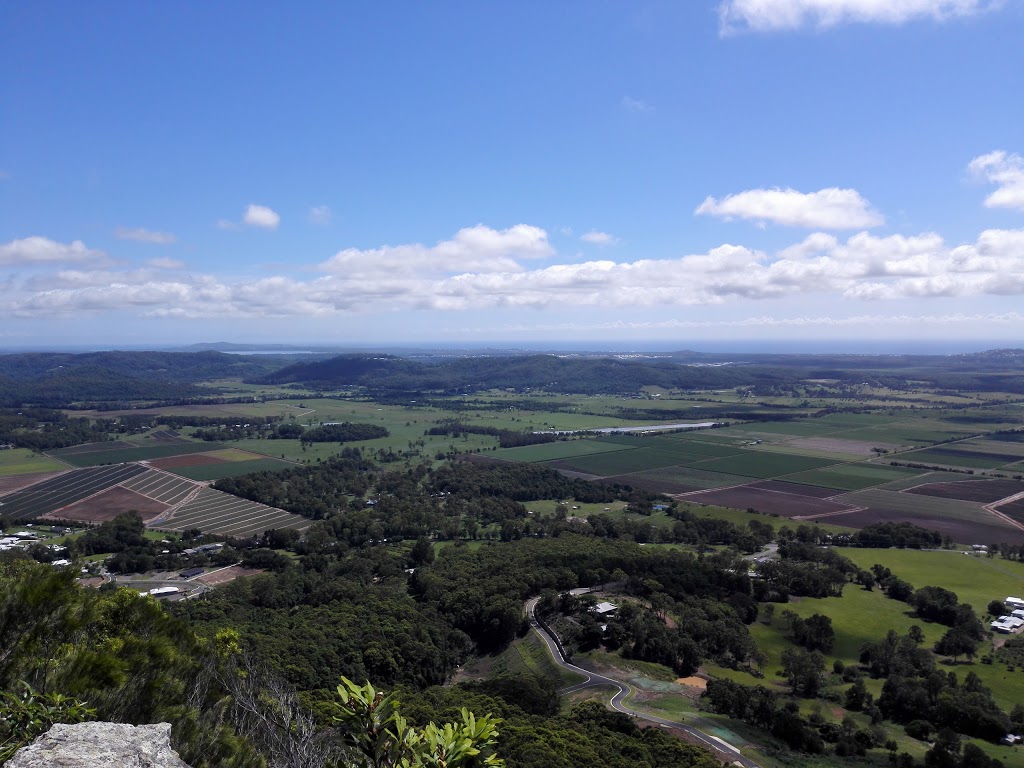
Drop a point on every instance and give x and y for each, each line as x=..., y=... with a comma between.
x=827, y=218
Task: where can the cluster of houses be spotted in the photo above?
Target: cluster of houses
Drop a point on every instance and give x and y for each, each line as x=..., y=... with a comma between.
x=1014, y=621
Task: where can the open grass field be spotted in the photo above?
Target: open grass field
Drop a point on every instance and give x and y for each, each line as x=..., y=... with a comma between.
x=22, y=461
x=231, y=469
x=226, y=515
x=51, y=495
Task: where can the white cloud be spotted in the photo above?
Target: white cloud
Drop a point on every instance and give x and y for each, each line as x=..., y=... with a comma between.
x=166, y=264
x=225, y=224
x=479, y=249
x=261, y=216
x=141, y=235
x=781, y=15
x=599, y=238
x=320, y=215
x=1007, y=172
x=481, y=269
x=635, y=105
x=830, y=208
x=42, y=250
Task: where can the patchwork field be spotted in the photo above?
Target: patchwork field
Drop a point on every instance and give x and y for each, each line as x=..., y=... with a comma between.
x=852, y=477
x=226, y=515
x=961, y=457
x=52, y=495
x=688, y=477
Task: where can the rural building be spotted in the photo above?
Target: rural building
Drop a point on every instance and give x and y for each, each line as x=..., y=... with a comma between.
x=1007, y=624
x=1013, y=602
x=164, y=591
x=188, y=573
x=60, y=563
x=605, y=609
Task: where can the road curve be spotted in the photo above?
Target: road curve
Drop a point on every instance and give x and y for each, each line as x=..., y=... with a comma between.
x=593, y=680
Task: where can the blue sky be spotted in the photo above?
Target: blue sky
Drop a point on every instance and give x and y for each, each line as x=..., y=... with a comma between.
x=457, y=172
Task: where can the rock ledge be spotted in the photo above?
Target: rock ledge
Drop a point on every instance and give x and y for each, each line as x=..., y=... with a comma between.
x=110, y=745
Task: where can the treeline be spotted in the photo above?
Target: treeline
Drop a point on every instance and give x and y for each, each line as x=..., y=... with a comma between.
x=44, y=429
x=507, y=438
x=343, y=433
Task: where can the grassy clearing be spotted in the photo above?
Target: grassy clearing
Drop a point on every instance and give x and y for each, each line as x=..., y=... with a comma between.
x=976, y=580
x=22, y=461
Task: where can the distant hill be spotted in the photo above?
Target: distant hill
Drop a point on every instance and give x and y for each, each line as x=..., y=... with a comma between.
x=56, y=378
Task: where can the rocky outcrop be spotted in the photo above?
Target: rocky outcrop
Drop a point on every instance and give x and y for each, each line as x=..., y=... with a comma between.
x=100, y=745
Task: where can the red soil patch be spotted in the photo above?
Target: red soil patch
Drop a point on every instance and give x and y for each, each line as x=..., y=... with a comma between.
x=108, y=505
x=983, y=491
x=693, y=682
x=797, y=489
x=188, y=460
x=227, y=574
x=769, y=502
x=10, y=483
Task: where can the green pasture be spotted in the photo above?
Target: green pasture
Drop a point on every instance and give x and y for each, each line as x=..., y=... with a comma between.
x=762, y=464
x=22, y=461
x=976, y=580
x=851, y=477
x=230, y=469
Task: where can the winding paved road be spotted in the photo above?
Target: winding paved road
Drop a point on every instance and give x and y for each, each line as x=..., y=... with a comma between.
x=594, y=680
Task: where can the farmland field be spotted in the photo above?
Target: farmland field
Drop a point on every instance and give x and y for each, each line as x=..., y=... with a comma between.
x=762, y=464
x=617, y=462
x=107, y=505
x=218, y=470
x=162, y=486
x=51, y=495
x=553, y=451
x=797, y=489
x=106, y=445
x=1014, y=510
x=960, y=458
x=851, y=477
x=767, y=501
x=11, y=483
x=226, y=515
x=21, y=461
x=981, y=491
x=688, y=476
x=96, y=456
